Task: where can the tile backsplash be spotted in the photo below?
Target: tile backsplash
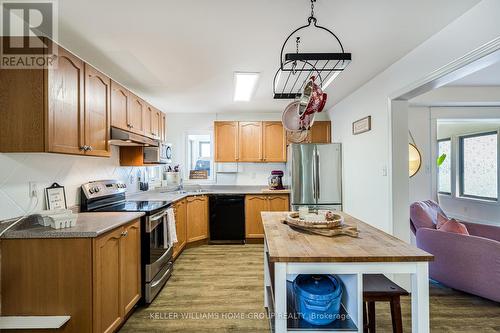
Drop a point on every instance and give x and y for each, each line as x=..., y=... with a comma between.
x=18, y=169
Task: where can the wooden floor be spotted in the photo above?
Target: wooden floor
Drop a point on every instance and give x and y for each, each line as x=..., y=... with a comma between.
x=218, y=288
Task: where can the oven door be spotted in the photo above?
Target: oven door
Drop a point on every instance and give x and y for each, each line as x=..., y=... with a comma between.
x=160, y=250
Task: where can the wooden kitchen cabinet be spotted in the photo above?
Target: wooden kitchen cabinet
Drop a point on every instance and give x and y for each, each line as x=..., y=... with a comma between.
x=321, y=132
x=96, y=281
x=274, y=141
x=180, y=226
x=226, y=141
x=163, y=127
x=155, y=124
x=250, y=141
x=131, y=268
x=97, y=112
x=255, y=204
x=119, y=106
x=107, y=304
x=65, y=116
x=197, y=218
x=147, y=120
x=279, y=203
x=136, y=113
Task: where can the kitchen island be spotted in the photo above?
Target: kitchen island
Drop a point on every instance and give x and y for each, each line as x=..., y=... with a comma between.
x=288, y=252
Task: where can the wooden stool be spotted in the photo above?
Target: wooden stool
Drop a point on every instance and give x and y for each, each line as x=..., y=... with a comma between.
x=378, y=288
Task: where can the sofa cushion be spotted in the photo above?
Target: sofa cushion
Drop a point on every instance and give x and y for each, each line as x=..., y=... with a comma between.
x=451, y=225
x=424, y=214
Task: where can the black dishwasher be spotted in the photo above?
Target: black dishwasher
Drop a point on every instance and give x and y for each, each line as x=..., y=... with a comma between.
x=227, y=219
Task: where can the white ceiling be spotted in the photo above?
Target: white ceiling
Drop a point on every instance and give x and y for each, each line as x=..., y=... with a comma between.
x=489, y=76
x=181, y=55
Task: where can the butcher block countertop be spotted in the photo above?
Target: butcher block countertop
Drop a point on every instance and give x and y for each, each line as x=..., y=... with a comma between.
x=373, y=245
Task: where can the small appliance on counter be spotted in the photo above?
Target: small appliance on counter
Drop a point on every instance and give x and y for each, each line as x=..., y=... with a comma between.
x=276, y=180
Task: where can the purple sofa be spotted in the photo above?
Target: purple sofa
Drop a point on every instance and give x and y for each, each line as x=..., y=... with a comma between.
x=470, y=263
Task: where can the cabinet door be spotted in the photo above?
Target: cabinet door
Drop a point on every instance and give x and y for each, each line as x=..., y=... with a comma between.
x=197, y=218
x=148, y=117
x=274, y=141
x=97, y=125
x=136, y=110
x=155, y=123
x=279, y=203
x=226, y=141
x=180, y=226
x=321, y=132
x=254, y=204
x=65, y=105
x=131, y=266
x=119, y=106
x=250, y=141
x=107, y=304
x=163, y=127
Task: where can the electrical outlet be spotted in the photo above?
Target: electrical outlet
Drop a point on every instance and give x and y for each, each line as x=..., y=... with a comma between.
x=33, y=189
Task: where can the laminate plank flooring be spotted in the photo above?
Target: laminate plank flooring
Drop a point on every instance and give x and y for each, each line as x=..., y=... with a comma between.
x=218, y=288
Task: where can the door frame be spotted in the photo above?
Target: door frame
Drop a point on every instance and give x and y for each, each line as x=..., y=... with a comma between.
x=398, y=104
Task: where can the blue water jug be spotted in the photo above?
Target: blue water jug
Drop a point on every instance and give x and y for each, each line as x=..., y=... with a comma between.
x=317, y=298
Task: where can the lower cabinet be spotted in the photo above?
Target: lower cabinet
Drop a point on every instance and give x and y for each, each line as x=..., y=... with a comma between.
x=255, y=204
x=180, y=226
x=197, y=218
x=96, y=281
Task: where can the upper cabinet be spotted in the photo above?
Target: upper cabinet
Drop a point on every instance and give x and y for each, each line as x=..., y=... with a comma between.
x=120, y=100
x=163, y=127
x=155, y=123
x=69, y=108
x=226, y=141
x=249, y=141
x=147, y=120
x=97, y=113
x=321, y=132
x=274, y=141
x=65, y=125
x=136, y=113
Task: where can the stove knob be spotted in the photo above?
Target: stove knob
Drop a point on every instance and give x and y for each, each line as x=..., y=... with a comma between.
x=124, y=185
x=96, y=189
x=91, y=190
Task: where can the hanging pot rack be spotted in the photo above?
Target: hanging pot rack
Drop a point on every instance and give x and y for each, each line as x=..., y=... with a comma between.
x=296, y=68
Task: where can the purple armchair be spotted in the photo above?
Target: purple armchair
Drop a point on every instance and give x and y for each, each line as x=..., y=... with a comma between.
x=470, y=263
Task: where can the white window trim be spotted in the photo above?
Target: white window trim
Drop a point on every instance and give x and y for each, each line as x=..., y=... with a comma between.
x=455, y=172
x=212, y=178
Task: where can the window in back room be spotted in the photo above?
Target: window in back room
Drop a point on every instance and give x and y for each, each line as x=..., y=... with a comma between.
x=199, y=160
x=444, y=170
x=478, y=165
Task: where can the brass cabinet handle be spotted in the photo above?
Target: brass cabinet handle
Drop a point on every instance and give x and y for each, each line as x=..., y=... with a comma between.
x=84, y=148
x=90, y=148
x=125, y=233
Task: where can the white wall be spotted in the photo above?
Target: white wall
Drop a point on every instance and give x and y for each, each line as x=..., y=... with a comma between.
x=366, y=156
x=18, y=169
x=423, y=124
x=420, y=126
x=179, y=124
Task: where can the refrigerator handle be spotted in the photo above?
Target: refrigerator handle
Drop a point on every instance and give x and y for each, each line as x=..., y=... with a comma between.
x=317, y=157
x=314, y=177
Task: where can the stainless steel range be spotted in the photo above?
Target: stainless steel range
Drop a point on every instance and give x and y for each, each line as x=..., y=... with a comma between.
x=156, y=249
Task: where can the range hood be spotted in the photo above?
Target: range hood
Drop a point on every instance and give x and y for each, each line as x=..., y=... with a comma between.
x=120, y=137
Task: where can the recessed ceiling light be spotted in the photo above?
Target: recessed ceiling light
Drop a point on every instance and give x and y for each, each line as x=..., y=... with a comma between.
x=244, y=86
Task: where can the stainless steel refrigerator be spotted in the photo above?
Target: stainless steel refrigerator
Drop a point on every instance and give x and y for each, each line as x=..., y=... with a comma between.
x=315, y=175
